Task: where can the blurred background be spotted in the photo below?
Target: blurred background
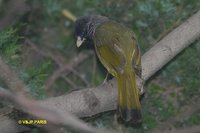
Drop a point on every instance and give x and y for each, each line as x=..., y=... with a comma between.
x=37, y=41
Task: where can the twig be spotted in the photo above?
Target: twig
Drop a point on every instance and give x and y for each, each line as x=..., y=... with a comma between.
x=67, y=68
x=64, y=68
x=12, y=79
x=69, y=15
x=58, y=59
x=69, y=82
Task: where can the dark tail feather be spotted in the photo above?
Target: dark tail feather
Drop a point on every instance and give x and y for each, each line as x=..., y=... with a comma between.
x=129, y=106
x=130, y=115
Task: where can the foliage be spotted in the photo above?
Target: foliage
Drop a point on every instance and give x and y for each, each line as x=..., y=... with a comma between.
x=35, y=77
x=9, y=46
x=184, y=70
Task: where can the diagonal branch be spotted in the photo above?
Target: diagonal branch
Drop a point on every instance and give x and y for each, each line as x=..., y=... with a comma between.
x=12, y=79
x=91, y=101
x=54, y=116
x=66, y=68
x=18, y=97
x=167, y=48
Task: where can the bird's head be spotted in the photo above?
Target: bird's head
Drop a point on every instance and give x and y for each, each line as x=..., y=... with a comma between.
x=85, y=28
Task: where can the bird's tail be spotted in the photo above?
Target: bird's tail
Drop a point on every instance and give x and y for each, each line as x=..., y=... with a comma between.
x=129, y=106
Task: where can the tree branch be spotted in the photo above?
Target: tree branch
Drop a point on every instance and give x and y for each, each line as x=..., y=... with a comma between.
x=17, y=9
x=12, y=79
x=88, y=102
x=170, y=46
x=54, y=116
x=10, y=126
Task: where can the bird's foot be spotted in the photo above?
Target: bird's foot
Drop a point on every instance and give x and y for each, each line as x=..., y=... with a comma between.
x=106, y=78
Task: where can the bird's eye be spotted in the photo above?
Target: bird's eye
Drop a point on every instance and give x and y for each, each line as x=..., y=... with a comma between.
x=82, y=34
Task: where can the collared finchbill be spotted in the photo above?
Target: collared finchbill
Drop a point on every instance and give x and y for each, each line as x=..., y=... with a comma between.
x=79, y=41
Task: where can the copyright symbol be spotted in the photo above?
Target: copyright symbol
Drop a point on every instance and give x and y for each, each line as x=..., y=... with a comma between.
x=19, y=122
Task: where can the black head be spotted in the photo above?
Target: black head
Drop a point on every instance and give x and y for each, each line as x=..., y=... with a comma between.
x=85, y=27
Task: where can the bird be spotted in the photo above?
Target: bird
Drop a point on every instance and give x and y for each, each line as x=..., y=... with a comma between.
x=118, y=50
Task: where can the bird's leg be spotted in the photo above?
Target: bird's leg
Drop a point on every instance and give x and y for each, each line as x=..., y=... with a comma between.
x=140, y=83
x=106, y=78
x=141, y=91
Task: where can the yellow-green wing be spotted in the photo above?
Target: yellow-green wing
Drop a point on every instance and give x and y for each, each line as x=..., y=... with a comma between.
x=116, y=47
